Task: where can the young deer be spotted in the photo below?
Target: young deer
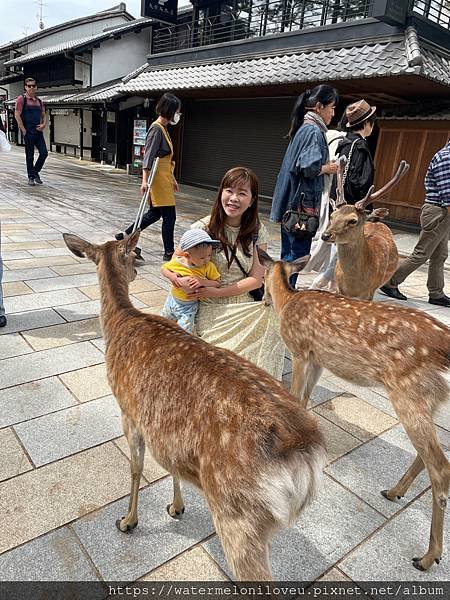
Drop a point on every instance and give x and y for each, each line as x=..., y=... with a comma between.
x=372, y=343
x=367, y=254
x=207, y=416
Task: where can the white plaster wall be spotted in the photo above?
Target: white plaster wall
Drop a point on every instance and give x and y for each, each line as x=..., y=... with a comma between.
x=117, y=58
x=83, y=70
x=74, y=33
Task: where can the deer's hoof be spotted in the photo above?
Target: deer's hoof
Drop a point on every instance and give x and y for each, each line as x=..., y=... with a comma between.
x=128, y=528
x=417, y=564
x=175, y=514
x=385, y=493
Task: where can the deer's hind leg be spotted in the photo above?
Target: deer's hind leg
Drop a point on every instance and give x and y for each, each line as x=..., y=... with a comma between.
x=137, y=451
x=305, y=375
x=176, y=509
x=245, y=542
x=419, y=426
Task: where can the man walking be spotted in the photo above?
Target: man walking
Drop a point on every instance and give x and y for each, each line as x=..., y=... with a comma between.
x=31, y=119
x=434, y=234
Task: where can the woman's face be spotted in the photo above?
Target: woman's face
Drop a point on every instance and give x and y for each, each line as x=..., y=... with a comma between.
x=326, y=111
x=235, y=201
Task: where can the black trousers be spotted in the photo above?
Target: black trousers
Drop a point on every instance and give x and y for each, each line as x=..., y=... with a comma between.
x=169, y=216
x=32, y=140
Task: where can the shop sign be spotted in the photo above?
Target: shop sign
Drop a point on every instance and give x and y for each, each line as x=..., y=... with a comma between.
x=161, y=10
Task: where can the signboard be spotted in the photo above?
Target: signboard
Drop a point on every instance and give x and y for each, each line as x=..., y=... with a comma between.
x=139, y=135
x=161, y=10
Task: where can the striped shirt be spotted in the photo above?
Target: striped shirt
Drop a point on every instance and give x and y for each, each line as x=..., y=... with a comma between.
x=437, y=179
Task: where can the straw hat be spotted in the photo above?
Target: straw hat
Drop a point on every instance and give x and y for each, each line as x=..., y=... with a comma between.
x=358, y=112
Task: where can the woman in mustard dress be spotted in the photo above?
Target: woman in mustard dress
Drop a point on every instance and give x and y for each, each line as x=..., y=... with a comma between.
x=162, y=197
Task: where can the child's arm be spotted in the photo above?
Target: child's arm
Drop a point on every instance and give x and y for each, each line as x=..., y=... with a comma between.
x=172, y=277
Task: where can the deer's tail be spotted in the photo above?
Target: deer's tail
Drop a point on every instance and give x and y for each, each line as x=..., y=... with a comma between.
x=287, y=487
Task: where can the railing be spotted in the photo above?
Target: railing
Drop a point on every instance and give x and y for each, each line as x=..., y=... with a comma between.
x=437, y=11
x=256, y=18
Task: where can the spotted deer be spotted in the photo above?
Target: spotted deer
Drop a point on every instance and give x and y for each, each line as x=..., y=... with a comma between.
x=366, y=250
x=207, y=416
x=371, y=343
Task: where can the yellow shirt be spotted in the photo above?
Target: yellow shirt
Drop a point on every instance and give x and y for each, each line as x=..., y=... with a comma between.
x=208, y=271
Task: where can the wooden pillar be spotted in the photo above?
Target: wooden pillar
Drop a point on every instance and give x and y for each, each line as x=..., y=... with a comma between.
x=81, y=133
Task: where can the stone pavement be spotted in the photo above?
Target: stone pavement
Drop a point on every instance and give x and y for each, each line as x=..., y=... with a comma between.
x=64, y=473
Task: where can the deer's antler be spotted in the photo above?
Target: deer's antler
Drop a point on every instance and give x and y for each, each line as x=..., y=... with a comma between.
x=403, y=168
x=340, y=197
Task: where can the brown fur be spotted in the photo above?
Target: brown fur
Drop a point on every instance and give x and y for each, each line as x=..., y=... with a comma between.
x=208, y=417
x=367, y=254
x=371, y=343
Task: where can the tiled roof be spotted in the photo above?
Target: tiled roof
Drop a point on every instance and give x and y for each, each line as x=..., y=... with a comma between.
x=100, y=93
x=108, y=33
x=371, y=60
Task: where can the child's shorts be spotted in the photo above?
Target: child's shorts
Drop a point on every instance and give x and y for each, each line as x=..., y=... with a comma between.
x=183, y=312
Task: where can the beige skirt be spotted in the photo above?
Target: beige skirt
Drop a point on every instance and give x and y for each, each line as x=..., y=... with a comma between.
x=250, y=329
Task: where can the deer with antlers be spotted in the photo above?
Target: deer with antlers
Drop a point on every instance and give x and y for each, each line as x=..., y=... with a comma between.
x=369, y=344
x=366, y=250
x=207, y=416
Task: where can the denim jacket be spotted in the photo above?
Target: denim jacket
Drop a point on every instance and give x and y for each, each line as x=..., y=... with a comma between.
x=300, y=172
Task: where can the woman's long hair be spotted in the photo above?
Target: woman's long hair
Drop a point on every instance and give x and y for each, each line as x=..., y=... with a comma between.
x=325, y=94
x=250, y=219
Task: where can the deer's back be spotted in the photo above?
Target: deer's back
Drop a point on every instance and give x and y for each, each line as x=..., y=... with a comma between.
x=364, y=341
x=191, y=400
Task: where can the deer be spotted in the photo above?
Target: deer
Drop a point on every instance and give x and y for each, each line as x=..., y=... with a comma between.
x=207, y=416
x=371, y=343
x=366, y=250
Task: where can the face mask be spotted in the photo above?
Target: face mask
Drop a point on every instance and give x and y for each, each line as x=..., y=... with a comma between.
x=176, y=118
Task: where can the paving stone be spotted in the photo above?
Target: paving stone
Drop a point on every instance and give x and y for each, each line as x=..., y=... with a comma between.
x=64, y=334
x=334, y=575
x=26, y=274
x=35, y=237
x=193, y=565
x=138, y=285
x=32, y=400
x=387, y=555
x=43, y=300
x=26, y=245
x=156, y=539
x=36, y=502
x=87, y=310
x=379, y=465
x=34, y=263
x=61, y=283
x=152, y=471
x=325, y=532
x=80, y=311
x=75, y=269
x=337, y=441
x=62, y=251
x=14, y=460
x=15, y=254
x=22, y=369
x=51, y=437
x=13, y=345
x=155, y=298
x=88, y=383
x=16, y=288
x=56, y=556
x=31, y=320
x=100, y=344
x=442, y=416
x=356, y=416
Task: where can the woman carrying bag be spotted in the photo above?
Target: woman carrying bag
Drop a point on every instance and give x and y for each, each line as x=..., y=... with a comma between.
x=162, y=192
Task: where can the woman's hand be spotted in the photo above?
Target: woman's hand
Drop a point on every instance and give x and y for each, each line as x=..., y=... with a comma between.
x=204, y=292
x=144, y=187
x=175, y=185
x=329, y=168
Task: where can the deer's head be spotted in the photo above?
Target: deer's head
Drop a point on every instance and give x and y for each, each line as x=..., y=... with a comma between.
x=278, y=273
x=347, y=221
x=121, y=253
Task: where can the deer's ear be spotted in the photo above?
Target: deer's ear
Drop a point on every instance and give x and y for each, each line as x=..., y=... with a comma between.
x=131, y=241
x=298, y=265
x=264, y=258
x=80, y=247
